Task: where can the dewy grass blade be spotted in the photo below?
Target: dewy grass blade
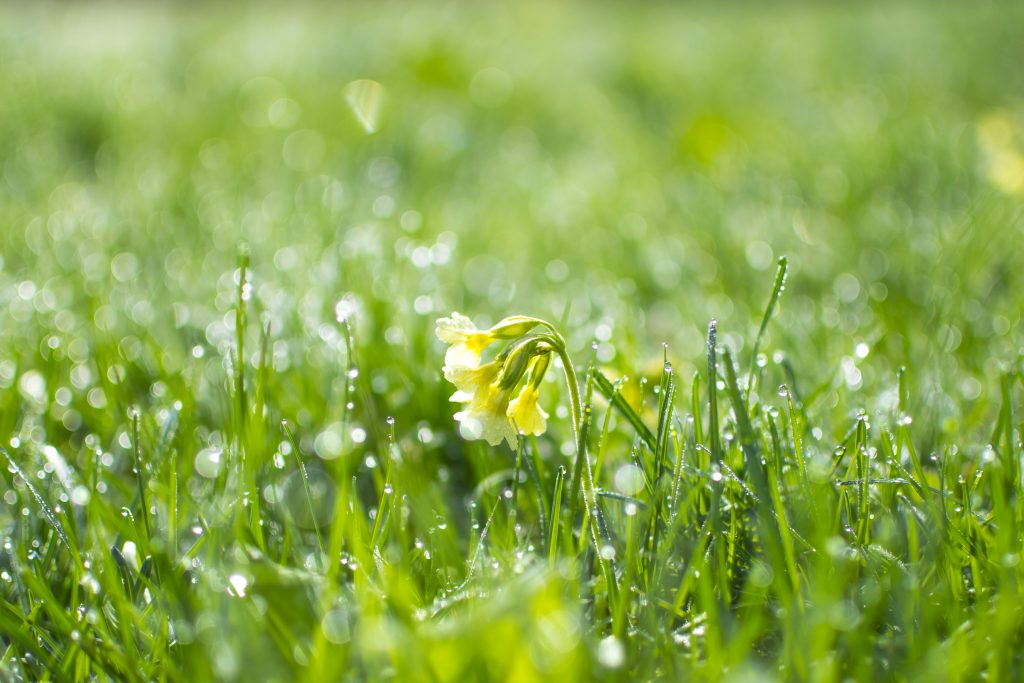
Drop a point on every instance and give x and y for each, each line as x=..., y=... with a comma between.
x=773, y=300
x=752, y=460
x=602, y=442
x=513, y=507
x=666, y=400
x=21, y=632
x=140, y=475
x=532, y=465
x=556, y=516
x=309, y=495
x=662, y=486
x=241, y=307
x=713, y=434
x=608, y=390
x=43, y=506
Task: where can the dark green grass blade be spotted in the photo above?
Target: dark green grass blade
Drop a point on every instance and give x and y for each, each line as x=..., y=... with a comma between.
x=607, y=389
x=773, y=300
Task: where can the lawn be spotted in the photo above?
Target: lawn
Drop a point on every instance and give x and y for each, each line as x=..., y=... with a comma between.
x=771, y=259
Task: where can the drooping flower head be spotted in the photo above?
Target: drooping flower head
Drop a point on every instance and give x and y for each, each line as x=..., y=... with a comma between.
x=468, y=343
x=487, y=389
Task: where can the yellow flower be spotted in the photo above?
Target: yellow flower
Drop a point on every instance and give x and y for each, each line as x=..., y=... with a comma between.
x=488, y=388
x=529, y=417
x=469, y=380
x=486, y=416
x=467, y=342
x=1003, y=154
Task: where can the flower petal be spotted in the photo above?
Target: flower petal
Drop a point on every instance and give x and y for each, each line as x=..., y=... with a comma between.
x=455, y=329
x=486, y=417
x=471, y=379
x=461, y=355
x=527, y=415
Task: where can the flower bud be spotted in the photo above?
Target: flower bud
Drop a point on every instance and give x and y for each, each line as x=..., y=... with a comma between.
x=513, y=326
x=516, y=363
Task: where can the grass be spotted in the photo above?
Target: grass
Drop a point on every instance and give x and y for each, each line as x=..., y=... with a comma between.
x=225, y=236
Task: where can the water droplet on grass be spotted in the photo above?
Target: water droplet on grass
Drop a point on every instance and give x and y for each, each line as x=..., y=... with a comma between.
x=628, y=479
x=335, y=626
x=80, y=496
x=238, y=585
x=611, y=653
x=209, y=462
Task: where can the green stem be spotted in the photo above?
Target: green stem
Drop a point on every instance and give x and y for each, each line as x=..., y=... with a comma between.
x=589, y=491
x=574, y=396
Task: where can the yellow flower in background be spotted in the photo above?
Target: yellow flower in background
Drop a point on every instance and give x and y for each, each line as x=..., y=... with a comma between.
x=1003, y=151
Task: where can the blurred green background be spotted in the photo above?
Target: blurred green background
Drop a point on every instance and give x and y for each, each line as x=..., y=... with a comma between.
x=629, y=171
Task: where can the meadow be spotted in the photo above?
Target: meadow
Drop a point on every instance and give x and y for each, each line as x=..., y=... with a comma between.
x=779, y=250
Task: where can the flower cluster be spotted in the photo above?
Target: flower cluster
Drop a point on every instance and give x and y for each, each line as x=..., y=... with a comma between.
x=491, y=413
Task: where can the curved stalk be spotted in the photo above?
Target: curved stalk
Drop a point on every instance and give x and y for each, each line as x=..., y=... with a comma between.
x=597, y=530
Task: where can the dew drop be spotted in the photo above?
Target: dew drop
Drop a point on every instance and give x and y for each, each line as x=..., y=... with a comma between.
x=238, y=585
x=611, y=653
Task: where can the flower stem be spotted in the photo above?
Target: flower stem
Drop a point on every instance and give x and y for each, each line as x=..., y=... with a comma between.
x=597, y=529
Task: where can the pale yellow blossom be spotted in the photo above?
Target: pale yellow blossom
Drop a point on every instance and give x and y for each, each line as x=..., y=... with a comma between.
x=526, y=414
x=488, y=388
x=469, y=380
x=467, y=342
x=1002, y=144
x=486, y=417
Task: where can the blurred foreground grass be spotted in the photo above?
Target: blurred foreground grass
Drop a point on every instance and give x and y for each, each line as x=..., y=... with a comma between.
x=631, y=173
